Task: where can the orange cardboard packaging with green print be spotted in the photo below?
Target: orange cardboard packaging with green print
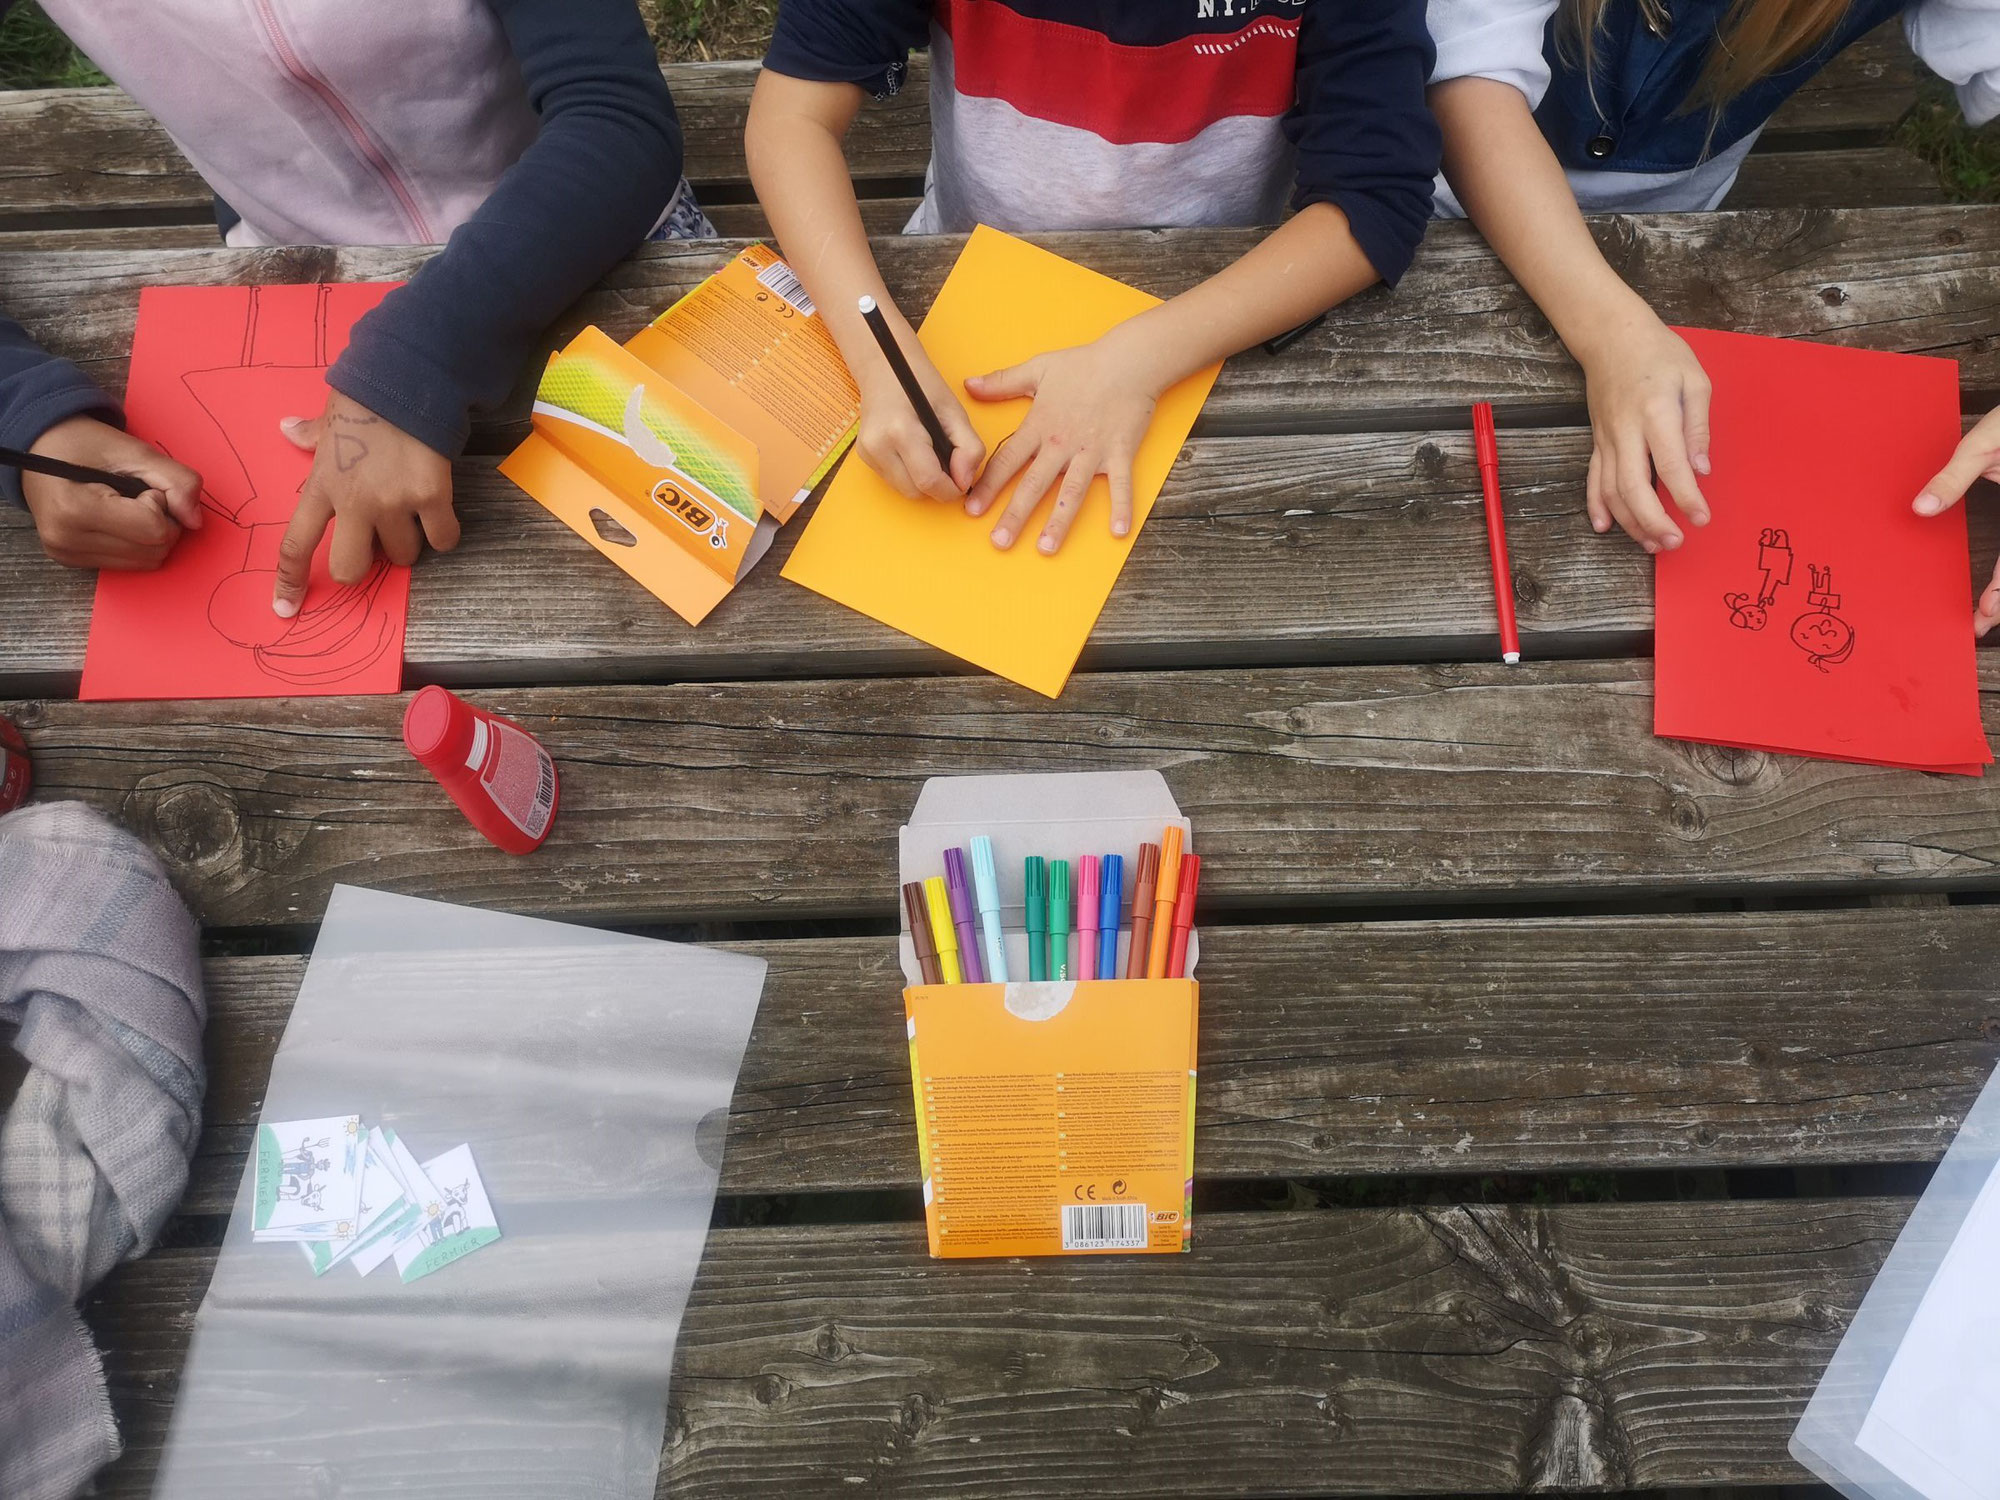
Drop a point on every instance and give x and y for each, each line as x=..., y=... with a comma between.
x=678, y=454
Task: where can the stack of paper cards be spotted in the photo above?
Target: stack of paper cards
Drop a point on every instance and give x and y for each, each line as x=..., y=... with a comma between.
x=342, y=1192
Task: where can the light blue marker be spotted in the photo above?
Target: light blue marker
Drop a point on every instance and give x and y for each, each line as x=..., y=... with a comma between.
x=986, y=895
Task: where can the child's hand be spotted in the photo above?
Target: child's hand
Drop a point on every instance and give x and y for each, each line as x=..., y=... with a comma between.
x=1978, y=457
x=1648, y=413
x=92, y=525
x=892, y=440
x=1092, y=407
x=372, y=481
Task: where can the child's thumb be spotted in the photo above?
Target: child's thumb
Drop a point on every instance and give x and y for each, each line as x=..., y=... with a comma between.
x=302, y=431
x=1007, y=384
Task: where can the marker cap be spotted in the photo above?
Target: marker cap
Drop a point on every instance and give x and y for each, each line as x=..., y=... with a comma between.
x=1087, y=899
x=1061, y=899
x=985, y=878
x=1038, y=894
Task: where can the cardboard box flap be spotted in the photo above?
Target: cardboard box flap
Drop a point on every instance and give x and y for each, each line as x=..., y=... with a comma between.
x=1058, y=816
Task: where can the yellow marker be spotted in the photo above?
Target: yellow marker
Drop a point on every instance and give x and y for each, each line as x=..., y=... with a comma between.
x=939, y=901
x=1165, y=890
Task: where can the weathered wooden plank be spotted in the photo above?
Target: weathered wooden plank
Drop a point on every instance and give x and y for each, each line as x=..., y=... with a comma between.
x=1457, y=330
x=1308, y=547
x=1601, y=1043
x=1860, y=177
x=748, y=801
x=1359, y=1352
x=79, y=156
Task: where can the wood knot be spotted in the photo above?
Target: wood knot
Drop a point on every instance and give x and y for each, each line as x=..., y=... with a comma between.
x=1577, y=1444
x=1704, y=1135
x=195, y=824
x=830, y=1346
x=1324, y=1142
x=1990, y=1028
x=1687, y=818
x=1528, y=591
x=1430, y=461
x=677, y=1427
x=1333, y=1411
x=1951, y=238
x=29, y=715
x=1729, y=766
x=770, y=1389
x=916, y=1414
x=1833, y=296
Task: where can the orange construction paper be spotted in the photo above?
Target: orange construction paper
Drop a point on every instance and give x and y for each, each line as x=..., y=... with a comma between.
x=1817, y=614
x=1021, y=1118
x=213, y=371
x=930, y=570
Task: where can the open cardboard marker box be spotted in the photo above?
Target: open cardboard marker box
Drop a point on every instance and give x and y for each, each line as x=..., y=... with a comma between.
x=1053, y=1118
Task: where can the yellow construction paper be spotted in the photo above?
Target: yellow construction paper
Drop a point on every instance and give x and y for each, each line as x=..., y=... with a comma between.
x=932, y=571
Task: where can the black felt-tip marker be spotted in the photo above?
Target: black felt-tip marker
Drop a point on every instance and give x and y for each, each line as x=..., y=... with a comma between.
x=128, y=485
x=891, y=351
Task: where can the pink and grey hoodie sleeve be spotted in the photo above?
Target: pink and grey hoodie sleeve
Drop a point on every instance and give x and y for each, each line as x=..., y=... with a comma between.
x=597, y=178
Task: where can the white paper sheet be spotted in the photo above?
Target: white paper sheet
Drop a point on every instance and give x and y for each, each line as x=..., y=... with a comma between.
x=1935, y=1423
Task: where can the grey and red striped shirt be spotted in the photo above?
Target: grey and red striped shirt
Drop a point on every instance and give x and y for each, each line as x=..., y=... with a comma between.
x=1093, y=114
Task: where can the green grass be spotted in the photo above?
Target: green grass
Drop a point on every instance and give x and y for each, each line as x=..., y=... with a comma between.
x=34, y=55
x=1967, y=160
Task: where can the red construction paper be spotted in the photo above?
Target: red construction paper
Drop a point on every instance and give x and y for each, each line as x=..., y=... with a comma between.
x=1817, y=614
x=213, y=371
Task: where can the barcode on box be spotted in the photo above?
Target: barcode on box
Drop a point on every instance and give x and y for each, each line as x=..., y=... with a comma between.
x=1104, y=1226
x=783, y=280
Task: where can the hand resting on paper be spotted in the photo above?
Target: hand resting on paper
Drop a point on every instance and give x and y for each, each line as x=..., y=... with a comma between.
x=372, y=482
x=1978, y=457
x=1648, y=415
x=1092, y=405
x=92, y=525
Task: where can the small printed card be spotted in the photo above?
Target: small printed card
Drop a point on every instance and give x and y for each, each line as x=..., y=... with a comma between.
x=308, y=1179
x=343, y=1193
x=464, y=1223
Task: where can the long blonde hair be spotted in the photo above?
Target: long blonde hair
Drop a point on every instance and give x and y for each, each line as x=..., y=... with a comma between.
x=1757, y=38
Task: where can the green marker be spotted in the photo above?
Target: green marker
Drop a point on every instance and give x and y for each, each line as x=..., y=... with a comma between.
x=1059, y=918
x=1037, y=921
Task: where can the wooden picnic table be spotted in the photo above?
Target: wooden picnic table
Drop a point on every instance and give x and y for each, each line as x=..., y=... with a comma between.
x=1460, y=920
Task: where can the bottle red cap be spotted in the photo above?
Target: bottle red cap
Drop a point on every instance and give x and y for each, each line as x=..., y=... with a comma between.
x=427, y=721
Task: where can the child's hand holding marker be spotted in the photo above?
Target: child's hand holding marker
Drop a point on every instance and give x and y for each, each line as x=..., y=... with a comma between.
x=913, y=431
x=83, y=520
x=1978, y=457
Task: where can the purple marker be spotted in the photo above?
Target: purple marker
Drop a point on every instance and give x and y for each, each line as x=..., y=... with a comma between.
x=959, y=891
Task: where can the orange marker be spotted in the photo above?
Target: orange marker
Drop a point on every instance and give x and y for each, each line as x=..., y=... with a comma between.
x=1164, y=892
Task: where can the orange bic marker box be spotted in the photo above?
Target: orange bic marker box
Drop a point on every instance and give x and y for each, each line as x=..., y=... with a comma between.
x=679, y=454
x=1055, y=1119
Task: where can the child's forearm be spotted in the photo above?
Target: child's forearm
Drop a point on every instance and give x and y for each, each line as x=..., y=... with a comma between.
x=801, y=178
x=1514, y=190
x=1301, y=269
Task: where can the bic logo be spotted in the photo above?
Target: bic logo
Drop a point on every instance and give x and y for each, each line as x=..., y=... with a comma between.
x=691, y=513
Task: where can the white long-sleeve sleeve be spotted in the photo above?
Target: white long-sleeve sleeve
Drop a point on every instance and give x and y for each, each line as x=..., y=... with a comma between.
x=1959, y=40
x=1497, y=39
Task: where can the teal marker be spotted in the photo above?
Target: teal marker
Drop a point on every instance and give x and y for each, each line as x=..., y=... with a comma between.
x=986, y=896
x=1059, y=898
x=1037, y=921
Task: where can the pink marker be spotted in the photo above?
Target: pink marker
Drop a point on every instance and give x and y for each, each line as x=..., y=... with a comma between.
x=1087, y=900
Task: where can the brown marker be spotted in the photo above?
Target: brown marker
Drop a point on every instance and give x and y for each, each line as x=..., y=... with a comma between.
x=1142, y=910
x=916, y=910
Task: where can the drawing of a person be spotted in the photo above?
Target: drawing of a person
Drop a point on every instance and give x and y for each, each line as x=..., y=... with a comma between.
x=1774, y=562
x=1826, y=638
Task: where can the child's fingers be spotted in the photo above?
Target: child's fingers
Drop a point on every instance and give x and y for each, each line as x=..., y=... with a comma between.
x=1948, y=486
x=440, y=525
x=1986, y=613
x=1119, y=475
x=1593, y=495
x=1670, y=459
x=1695, y=398
x=929, y=475
x=968, y=451
x=1048, y=463
x=885, y=459
x=302, y=432
x=1069, y=500
x=143, y=522
x=353, y=551
x=1008, y=460
x=1008, y=384
x=295, y=552
x=1641, y=500
x=402, y=541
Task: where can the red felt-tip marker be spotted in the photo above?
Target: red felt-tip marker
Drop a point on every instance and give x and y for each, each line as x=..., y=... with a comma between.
x=1487, y=447
x=1183, y=916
